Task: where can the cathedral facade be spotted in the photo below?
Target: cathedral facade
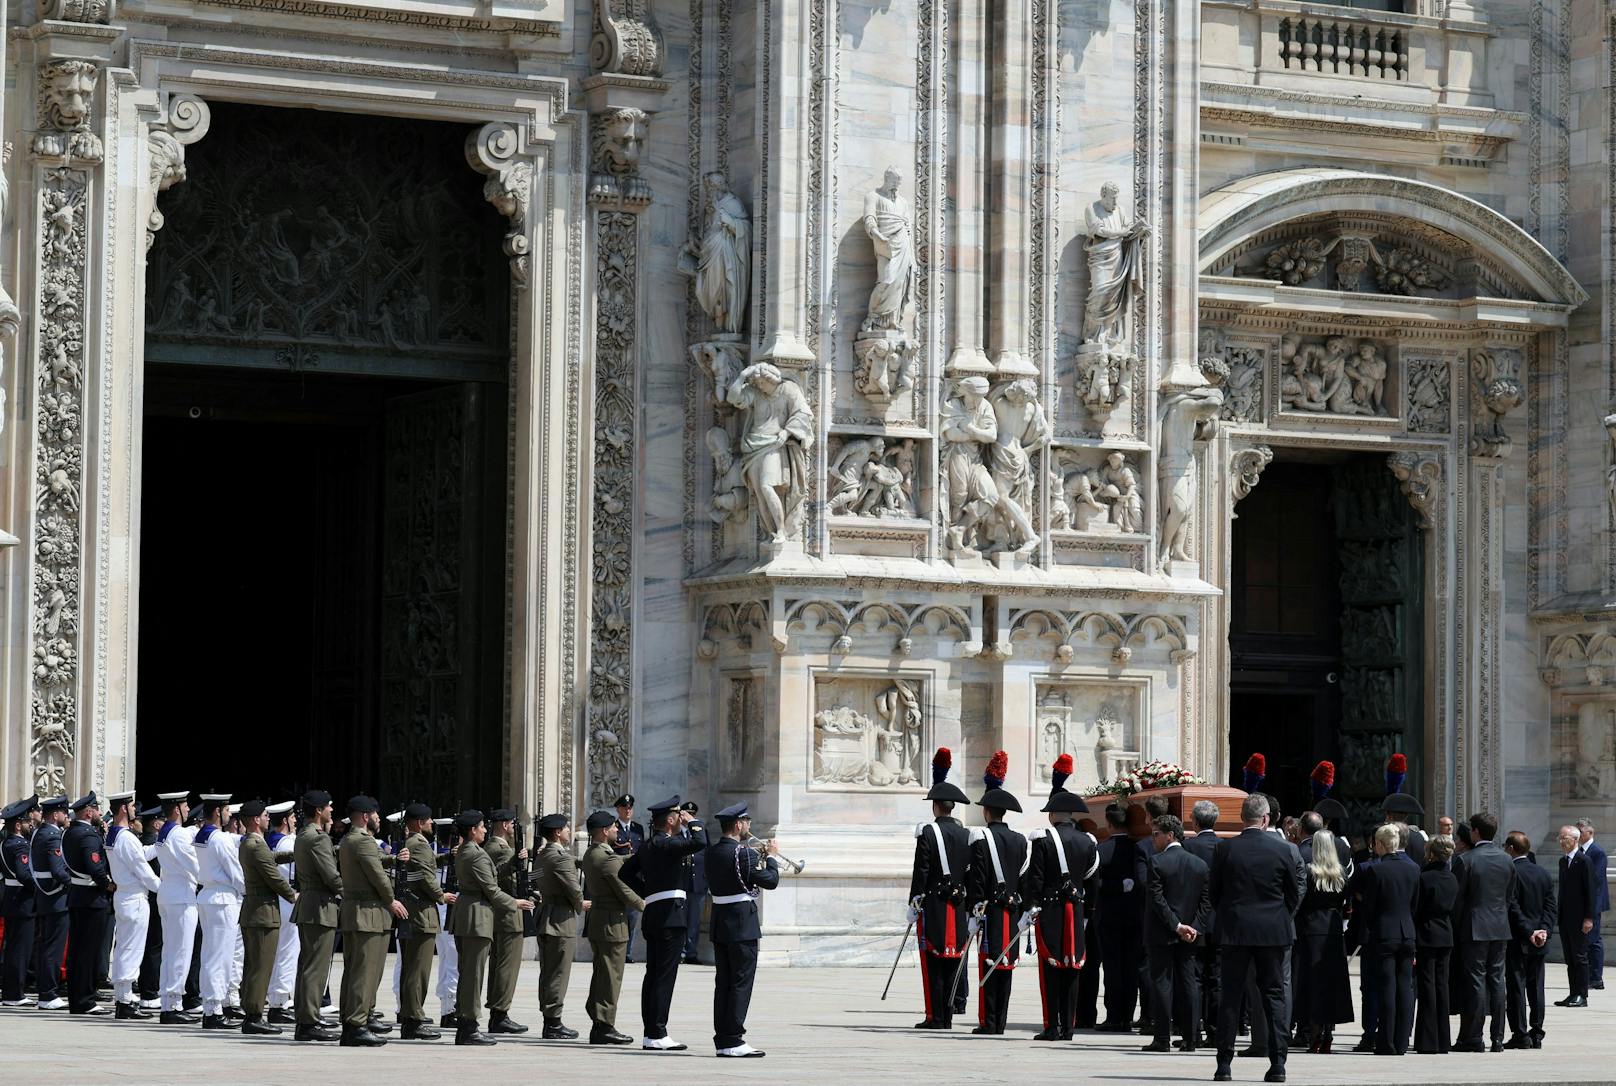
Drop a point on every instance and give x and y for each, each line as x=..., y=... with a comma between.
x=533, y=401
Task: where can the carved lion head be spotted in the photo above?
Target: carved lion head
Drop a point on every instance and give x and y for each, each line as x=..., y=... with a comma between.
x=622, y=140
x=66, y=87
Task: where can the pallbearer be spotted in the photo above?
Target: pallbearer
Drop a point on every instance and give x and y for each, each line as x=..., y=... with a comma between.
x=736, y=877
x=999, y=855
x=937, y=897
x=264, y=886
x=1063, y=857
x=131, y=910
x=283, y=977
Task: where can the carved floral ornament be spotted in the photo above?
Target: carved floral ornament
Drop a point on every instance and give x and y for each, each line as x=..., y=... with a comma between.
x=1496, y=374
x=1394, y=267
x=80, y=11
x=626, y=38
x=496, y=150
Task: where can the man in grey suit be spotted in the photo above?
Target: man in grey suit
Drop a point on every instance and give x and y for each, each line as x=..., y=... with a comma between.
x=1256, y=888
x=1481, y=924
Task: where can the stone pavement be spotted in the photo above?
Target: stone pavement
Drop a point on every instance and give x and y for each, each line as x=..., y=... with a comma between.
x=816, y=1024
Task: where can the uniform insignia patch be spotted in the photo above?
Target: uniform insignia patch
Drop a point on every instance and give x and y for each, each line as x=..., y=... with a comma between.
x=95, y=857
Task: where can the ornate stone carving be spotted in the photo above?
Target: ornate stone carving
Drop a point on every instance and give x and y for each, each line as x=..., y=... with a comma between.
x=1429, y=395
x=742, y=756
x=886, y=221
x=1110, y=491
x=852, y=748
x=1355, y=255
x=1404, y=271
x=1295, y=262
x=868, y=479
x=626, y=38
x=720, y=360
x=777, y=430
x=1243, y=386
x=1496, y=377
x=1421, y=476
x=1087, y=716
x=188, y=119
x=1610, y=472
x=887, y=365
x=721, y=262
x=1116, y=268
x=66, y=91
x=1189, y=416
x=495, y=150
x=1103, y=380
x=617, y=142
x=1245, y=467
x=729, y=501
x=987, y=465
x=1339, y=376
x=10, y=315
x=79, y=11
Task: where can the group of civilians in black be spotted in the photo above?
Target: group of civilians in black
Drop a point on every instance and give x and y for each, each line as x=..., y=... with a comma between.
x=1210, y=933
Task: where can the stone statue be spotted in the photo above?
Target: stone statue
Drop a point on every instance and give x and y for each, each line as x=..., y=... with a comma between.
x=1022, y=429
x=1610, y=472
x=886, y=221
x=847, y=473
x=1189, y=415
x=1116, y=268
x=722, y=262
x=729, y=488
x=777, y=430
x=967, y=493
x=1119, y=485
x=889, y=484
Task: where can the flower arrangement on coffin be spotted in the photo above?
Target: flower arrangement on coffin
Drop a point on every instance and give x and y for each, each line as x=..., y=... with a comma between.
x=1147, y=776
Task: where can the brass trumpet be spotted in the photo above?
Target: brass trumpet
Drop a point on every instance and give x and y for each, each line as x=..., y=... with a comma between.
x=762, y=847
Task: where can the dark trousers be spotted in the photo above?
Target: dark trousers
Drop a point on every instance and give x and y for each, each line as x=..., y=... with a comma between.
x=1575, y=945
x=993, y=997
x=1088, y=981
x=1257, y=1007
x=1175, y=990
x=86, y=928
x=732, y=991
x=1268, y=963
x=1596, y=953
x=1208, y=979
x=1484, y=990
x=941, y=992
x=50, y=940
x=1120, y=953
x=1431, y=1025
x=1524, y=973
x=1058, y=987
x=698, y=892
x=14, y=958
x=193, y=979
x=149, y=984
x=1394, y=980
x=1368, y=993
x=662, y=950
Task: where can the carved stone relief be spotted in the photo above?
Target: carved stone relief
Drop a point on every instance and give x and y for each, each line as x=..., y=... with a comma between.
x=1243, y=384
x=870, y=477
x=1245, y=467
x=988, y=480
x=1587, y=755
x=1295, y=262
x=1429, y=396
x=776, y=433
x=495, y=150
x=188, y=119
x=742, y=750
x=1189, y=417
x=1610, y=472
x=1103, y=496
x=1396, y=268
x=1097, y=723
x=888, y=365
x=720, y=261
x=1496, y=378
x=79, y=11
x=1421, y=477
x=869, y=733
x=617, y=143
x=1336, y=375
x=10, y=315
x=626, y=38
x=66, y=93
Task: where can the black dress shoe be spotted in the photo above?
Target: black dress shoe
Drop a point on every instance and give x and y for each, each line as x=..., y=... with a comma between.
x=216, y=1021
x=315, y=1033
x=360, y=1037
x=1156, y=1046
x=176, y=1018
x=1497, y=1046
x=1467, y=1046
x=379, y=1028
x=1050, y=1034
x=131, y=1011
x=555, y=1031
x=505, y=1024
x=448, y=1021
x=1572, y=1001
x=605, y=1035
x=1222, y=1074
x=418, y=1031
x=469, y=1034
x=1253, y=1053
x=959, y=1008
x=280, y=1016
x=1113, y=1027
x=1274, y=1075
x=257, y=1027
x=1365, y=1044
x=934, y=1023
x=235, y=1014
x=1597, y=986
x=1518, y=1042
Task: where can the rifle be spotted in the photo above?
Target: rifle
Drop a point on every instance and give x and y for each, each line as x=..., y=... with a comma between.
x=524, y=868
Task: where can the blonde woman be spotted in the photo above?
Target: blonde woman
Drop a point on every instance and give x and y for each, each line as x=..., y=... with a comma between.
x=1323, y=989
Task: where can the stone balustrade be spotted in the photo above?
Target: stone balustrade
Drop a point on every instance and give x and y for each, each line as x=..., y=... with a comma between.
x=1342, y=46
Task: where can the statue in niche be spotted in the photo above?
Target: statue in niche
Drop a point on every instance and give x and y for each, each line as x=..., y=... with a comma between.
x=1116, y=268
x=899, y=707
x=886, y=221
x=729, y=486
x=1610, y=472
x=968, y=493
x=722, y=262
x=886, y=365
x=846, y=485
x=1119, y=486
x=888, y=488
x=1189, y=416
x=1082, y=504
x=1022, y=429
x=777, y=430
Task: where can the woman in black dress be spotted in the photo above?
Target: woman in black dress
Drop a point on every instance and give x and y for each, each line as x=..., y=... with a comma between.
x=1433, y=947
x=1323, y=990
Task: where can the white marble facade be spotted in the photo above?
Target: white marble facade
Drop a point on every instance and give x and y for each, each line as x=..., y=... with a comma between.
x=886, y=373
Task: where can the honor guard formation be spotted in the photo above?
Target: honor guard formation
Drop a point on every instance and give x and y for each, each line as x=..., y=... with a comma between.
x=227, y=915
x=1213, y=936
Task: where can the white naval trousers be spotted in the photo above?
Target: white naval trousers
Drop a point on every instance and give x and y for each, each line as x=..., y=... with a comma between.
x=131, y=913
x=221, y=942
x=179, y=936
x=448, y=967
x=284, y=978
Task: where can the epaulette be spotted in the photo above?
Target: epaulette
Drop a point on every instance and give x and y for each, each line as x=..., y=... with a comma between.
x=920, y=828
x=1041, y=831
x=976, y=833
x=1093, y=838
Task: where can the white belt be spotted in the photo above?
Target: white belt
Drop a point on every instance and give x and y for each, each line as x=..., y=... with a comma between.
x=731, y=899
x=81, y=880
x=665, y=895
x=12, y=882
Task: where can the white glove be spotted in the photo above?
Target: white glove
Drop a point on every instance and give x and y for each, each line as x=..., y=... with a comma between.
x=980, y=909
x=973, y=925
x=1026, y=920
x=913, y=914
x=1127, y=886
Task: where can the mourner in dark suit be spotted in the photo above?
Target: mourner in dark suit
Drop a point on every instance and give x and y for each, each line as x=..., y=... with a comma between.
x=1124, y=870
x=660, y=868
x=1321, y=986
x=1486, y=884
x=1579, y=897
x=1531, y=917
x=1178, y=904
x=1256, y=888
x=993, y=890
x=937, y=896
x=1387, y=897
x=737, y=875
x=1203, y=843
x=1433, y=947
x=1599, y=863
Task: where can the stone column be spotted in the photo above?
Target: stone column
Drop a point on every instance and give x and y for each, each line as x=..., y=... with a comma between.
x=1424, y=481
x=10, y=316
x=779, y=324
x=1009, y=250
x=968, y=236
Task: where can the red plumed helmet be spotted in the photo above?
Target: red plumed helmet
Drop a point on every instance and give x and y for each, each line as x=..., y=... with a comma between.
x=941, y=763
x=1397, y=763
x=1060, y=771
x=1324, y=773
x=998, y=768
x=1257, y=764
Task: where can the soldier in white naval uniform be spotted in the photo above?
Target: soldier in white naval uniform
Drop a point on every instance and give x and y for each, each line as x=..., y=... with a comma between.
x=176, y=903
x=283, y=977
x=131, y=911
x=219, y=909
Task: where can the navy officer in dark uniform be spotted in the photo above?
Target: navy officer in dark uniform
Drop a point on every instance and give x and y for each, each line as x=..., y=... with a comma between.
x=736, y=877
x=659, y=866
x=51, y=880
x=1063, y=858
x=630, y=839
x=999, y=855
x=89, y=904
x=17, y=902
x=937, y=897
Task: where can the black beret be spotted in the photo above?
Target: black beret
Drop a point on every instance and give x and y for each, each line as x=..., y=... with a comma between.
x=417, y=811
x=599, y=820
x=552, y=821
x=363, y=805
x=468, y=819
x=502, y=814
x=251, y=809
x=315, y=798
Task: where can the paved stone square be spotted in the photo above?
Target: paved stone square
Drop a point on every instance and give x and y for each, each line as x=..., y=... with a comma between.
x=818, y=1025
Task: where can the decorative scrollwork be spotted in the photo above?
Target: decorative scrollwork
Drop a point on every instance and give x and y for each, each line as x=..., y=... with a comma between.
x=494, y=150
x=626, y=38
x=1245, y=467
x=1421, y=476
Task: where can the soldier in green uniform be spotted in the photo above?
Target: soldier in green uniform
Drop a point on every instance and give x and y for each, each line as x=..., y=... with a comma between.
x=606, y=925
x=505, y=964
x=319, y=886
x=556, y=879
x=421, y=896
x=478, y=912
x=366, y=915
x=260, y=916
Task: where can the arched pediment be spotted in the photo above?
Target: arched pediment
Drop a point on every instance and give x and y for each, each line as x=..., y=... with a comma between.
x=1232, y=216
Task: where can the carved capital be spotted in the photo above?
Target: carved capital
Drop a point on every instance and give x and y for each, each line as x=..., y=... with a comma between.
x=1245, y=467
x=188, y=120
x=496, y=150
x=79, y=11
x=66, y=111
x=626, y=38
x=1496, y=390
x=617, y=138
x=1421, y=476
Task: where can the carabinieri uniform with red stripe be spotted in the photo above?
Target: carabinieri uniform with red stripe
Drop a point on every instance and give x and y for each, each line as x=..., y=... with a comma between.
x=999, y=856
x=1063, y=857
